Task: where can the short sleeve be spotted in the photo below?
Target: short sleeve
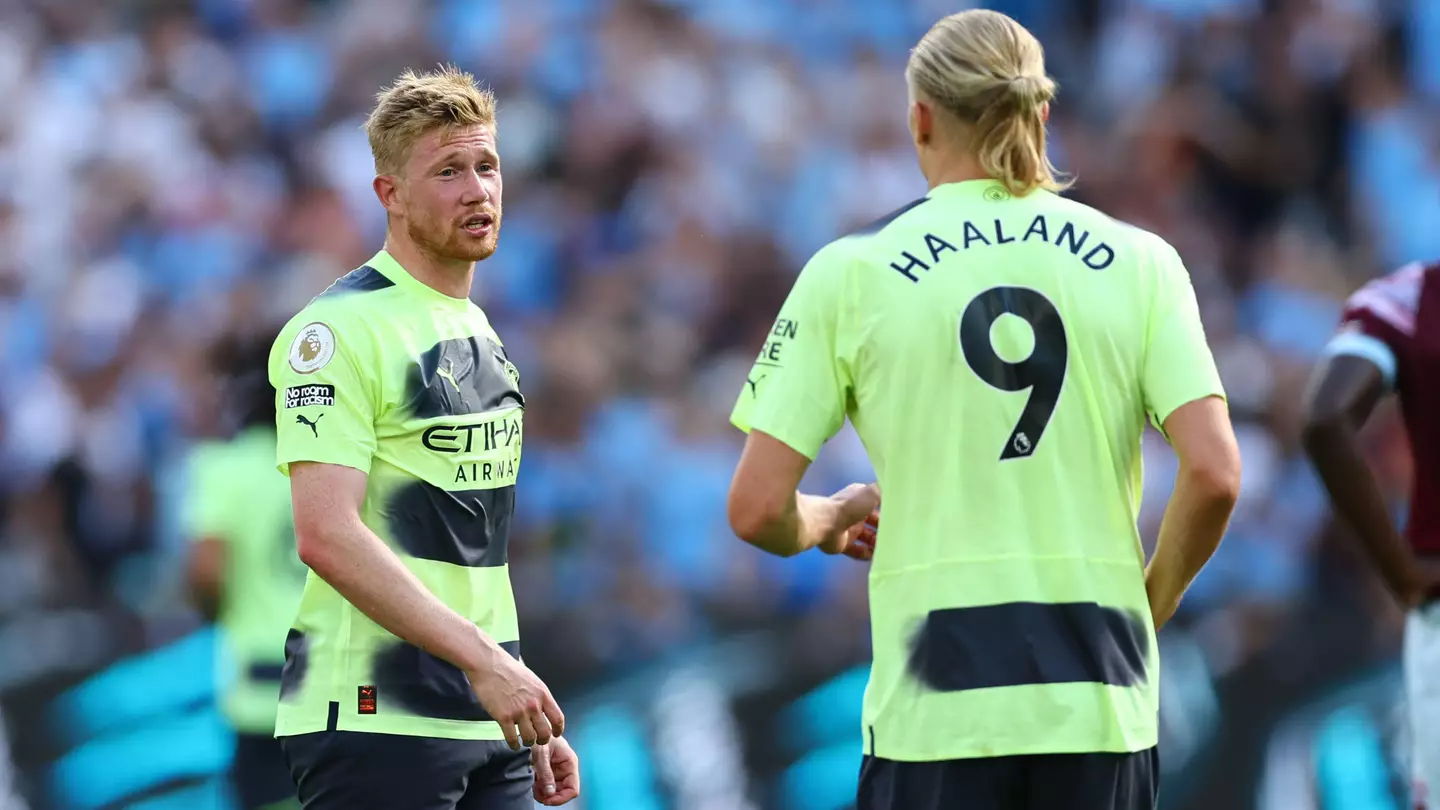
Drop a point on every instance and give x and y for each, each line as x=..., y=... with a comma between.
x=1378, y=323
x=1354, y=340
x=799, y=386
x=1179, y=367
x=325, y=393
x=208, y=510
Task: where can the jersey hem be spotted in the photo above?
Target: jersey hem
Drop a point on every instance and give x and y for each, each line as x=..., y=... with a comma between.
x=990, y=752
x=399, y=726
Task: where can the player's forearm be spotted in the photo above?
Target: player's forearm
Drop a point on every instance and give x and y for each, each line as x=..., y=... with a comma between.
x=362, y=569
x=798, y=523
x=1194, y=523
x=1335, y=451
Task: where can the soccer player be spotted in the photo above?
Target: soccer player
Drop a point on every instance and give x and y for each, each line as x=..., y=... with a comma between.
x=997, y=348
x=399, y=419
x=1386, y=344
x=244, y=572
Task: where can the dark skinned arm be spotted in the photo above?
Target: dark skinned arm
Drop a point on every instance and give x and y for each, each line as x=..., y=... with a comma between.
x=1343, y=393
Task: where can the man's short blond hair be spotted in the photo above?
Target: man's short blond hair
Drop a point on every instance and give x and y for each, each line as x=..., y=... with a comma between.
x=418, y=103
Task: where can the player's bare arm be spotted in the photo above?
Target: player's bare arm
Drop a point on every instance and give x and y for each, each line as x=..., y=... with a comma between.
x=1206, y=488
x=1343, y=392
x=334, y=542
x=766, y=510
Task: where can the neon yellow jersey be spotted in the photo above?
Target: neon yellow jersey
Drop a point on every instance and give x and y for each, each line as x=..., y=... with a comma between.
x=235, y=497
x=391, y=377
x=998, y=357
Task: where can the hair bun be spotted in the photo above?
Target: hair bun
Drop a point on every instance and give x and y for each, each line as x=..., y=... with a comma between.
x=1031, y=90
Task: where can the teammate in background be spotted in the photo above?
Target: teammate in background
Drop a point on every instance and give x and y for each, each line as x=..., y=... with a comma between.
x=1387, y=343
x=244, y=571
x=400, y=428
x=997, y=348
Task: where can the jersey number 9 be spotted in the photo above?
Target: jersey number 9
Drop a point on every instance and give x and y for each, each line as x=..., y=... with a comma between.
x=1043, y=372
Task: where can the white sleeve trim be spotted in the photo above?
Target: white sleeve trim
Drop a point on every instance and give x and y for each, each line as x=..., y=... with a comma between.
x=1365, y=347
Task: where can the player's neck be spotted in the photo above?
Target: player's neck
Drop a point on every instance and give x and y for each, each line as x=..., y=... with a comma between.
x=447, y=276
x=943, y=169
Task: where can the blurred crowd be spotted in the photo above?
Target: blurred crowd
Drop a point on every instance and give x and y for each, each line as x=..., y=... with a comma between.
x=173, y=173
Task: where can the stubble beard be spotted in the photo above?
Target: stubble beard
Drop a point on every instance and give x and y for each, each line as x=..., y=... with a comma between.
x=445, y=241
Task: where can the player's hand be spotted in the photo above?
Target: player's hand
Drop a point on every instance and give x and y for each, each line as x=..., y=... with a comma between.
x=557, y=772
x=856, y=521
x=518, y=700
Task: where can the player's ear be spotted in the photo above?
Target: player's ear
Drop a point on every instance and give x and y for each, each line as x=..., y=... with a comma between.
x=388, y=192
x=1045, y=113
x=922, y=122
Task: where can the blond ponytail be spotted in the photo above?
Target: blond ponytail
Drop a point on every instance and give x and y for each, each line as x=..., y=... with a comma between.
x=989, y=72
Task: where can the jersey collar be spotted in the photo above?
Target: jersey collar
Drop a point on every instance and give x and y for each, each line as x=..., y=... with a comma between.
x=392, y=270
x=967, y=187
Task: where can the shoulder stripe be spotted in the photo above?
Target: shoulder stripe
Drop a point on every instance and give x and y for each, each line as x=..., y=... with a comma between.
x=880, y=224
x=1403, y=285
x=360, y=280
x=1385, y=307
x=1394, y=298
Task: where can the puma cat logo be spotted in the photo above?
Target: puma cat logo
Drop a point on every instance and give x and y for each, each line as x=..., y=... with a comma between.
x=448, y=375
x=314, y=426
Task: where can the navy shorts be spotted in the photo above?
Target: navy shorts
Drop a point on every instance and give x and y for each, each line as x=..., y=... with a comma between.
x=1044, y=782
x=260, y=773
x=348, y=770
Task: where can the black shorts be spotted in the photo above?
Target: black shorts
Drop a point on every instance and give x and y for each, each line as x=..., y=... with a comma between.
x=260, y=773
x=348, y=770
x=1045, y=782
